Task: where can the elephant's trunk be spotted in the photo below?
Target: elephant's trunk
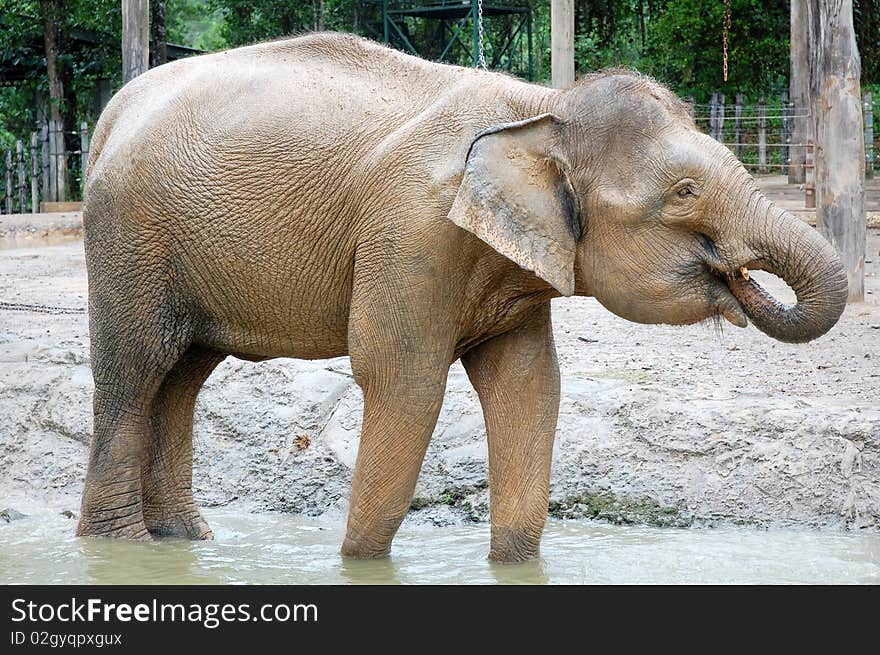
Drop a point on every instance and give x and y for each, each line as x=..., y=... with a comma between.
x=789, y=248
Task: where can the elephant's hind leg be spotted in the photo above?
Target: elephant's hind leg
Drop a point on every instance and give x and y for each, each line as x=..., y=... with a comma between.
x=169, y=509
x=128, y=369
x=112, y=502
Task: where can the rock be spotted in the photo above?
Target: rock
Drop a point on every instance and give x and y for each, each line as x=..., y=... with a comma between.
x=8, y=515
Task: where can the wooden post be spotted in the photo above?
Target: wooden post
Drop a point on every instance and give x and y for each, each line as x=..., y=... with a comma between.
x=61, y=185
x=840, y=149
x=809, y=179
x=44, y=156
x=719, y=119
x=562, y=42
x=8, y=162
x=53, y=161
x=692, y=107
x=35, y=174
x=135, y=38
x=713, y=114
x=762, y=134
x=738, y=125
x=19, y=160
x=83, y=152
x=783, y=135
x=799, y=90
x=869, y=136
x=57, y=163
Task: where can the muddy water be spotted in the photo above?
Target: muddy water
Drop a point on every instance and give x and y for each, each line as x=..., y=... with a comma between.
x=271, y=548
x=38, y=240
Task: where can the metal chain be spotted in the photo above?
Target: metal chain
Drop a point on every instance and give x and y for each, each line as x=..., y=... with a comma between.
x=726, y=30
x=41, y=309
x=482, y=50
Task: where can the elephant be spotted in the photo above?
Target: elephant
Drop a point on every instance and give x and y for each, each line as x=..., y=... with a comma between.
x=325, y=195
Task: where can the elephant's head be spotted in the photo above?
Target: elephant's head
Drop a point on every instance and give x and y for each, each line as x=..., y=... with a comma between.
x=614, y=193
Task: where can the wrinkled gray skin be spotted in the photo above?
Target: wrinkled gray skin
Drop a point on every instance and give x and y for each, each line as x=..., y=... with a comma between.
x=325, y=196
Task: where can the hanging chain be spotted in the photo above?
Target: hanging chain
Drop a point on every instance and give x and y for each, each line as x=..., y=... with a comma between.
x=482, y=51
x=41, y=309
x=726, y=30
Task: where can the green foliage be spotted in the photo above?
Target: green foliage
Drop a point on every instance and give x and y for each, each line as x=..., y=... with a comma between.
x=681, y=43
x=249, y=21
x=85, y=27
x=17, y=32
x=866, y=20
x=610, y=35
x=195, y=23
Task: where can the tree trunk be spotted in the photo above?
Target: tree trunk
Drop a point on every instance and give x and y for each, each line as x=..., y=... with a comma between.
x=159, y=29
x=538, y=38
x=642, y=23
x=866, y=14
x=68, y=139
x=799, y=90
x=50, y=10
x=286, y=19
x=135, y=38
x=840, y=149
x=319, y=16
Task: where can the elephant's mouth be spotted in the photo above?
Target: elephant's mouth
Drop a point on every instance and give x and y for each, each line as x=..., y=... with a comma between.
x=724, y=299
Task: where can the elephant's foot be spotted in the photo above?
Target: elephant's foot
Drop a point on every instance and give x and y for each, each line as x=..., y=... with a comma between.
x=357, y=547
x=113, y=509
x=181, y=520
x=511, y=545
x=131, y=527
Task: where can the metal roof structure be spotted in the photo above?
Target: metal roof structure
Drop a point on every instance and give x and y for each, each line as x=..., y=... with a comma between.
x=449, y=30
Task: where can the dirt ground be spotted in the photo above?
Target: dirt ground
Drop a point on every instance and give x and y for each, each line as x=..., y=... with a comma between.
x=661, y=425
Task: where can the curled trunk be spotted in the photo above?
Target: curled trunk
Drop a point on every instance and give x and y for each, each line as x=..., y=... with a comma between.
x=789, y=248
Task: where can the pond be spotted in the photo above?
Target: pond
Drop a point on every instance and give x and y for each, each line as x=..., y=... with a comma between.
x=292, y=549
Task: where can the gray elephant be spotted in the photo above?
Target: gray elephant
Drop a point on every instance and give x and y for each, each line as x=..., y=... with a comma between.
x=326, y=196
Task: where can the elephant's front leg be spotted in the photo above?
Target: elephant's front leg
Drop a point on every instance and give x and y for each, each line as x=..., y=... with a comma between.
x=516, y=376
x=402, y=371
x=398, y=423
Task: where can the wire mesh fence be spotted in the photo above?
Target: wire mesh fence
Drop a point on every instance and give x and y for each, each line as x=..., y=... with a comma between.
x=761, y=134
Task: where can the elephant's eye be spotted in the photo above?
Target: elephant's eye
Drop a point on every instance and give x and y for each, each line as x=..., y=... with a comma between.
x=685, y=189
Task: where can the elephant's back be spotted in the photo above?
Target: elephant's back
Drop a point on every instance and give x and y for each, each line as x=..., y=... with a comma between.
x=252, y=121
x=312, y=87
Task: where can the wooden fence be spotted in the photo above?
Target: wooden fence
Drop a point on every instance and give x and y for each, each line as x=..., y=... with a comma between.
x=41, y=170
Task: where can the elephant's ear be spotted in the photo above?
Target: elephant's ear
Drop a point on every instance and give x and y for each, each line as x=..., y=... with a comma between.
x=517, y=198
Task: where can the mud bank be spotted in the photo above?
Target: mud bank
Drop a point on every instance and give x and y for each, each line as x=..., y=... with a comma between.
x=659, y=425
x=30, y=230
